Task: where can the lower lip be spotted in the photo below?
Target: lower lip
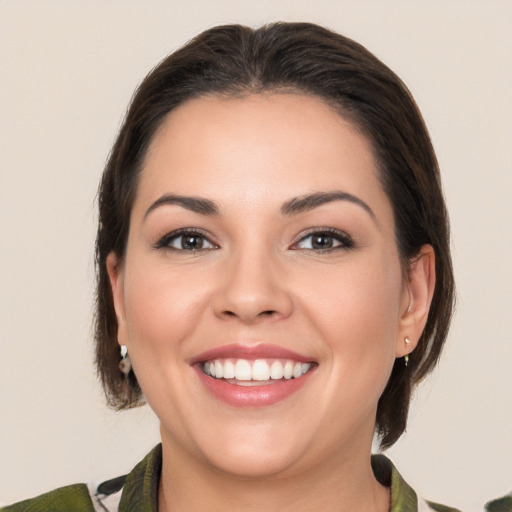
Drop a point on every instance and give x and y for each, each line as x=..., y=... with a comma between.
x=252, y=396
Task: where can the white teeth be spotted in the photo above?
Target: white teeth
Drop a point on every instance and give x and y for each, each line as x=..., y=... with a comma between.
x=288, y=370
x=219, y=370
x=242, y=370
x=258, y=370
x=229, y=370
x=276, y=370
x=297, y=370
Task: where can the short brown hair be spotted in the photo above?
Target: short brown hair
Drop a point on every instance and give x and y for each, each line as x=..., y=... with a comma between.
x=301, y=57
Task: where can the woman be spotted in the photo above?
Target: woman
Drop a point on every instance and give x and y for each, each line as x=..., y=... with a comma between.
x=274, y=276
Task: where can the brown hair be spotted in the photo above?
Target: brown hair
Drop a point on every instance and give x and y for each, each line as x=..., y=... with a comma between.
x=302, y=57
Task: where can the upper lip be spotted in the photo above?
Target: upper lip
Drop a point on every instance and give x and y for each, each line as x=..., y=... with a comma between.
x=250, y=351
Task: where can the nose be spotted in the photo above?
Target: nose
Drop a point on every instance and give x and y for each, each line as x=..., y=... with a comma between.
x=252, y=289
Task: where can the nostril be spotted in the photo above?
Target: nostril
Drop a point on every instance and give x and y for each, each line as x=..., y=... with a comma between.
x=263, y=314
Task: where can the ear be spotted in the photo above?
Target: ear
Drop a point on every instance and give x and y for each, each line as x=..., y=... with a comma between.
x=116, y=277
x=417, y=296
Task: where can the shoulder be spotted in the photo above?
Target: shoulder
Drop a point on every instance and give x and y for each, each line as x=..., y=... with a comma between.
x=136, y=491
x=503, y=504
x=403, y=497
x=70, y=498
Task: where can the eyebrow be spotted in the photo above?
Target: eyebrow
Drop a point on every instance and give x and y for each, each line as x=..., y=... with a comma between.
x=294, y=206
x=310, y=201
x=194, y=204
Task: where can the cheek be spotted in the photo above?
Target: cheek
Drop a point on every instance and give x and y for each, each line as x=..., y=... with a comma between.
x=162, y=308
x=356, y=310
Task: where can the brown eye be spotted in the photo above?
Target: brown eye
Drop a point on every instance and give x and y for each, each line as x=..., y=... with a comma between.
x=191, y=242
x=322, y=242
x=186, y=241
x=325, y=241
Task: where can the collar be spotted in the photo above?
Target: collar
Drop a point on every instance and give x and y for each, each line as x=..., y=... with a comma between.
x=140, y=491
x=402, y=495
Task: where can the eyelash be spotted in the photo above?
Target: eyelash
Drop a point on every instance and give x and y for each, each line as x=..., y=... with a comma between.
x=333, y=235
x=344, y=240
x=166, y=240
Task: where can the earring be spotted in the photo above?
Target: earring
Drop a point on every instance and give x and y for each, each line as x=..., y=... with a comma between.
x=125, y=364
x=406, y=357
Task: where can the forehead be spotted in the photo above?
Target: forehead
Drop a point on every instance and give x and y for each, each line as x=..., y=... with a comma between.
x=274, y=144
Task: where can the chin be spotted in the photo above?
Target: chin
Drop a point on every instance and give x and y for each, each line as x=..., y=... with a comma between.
x=256, y=463
x=262, y=451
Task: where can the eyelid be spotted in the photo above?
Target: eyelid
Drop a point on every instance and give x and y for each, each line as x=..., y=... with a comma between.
x=163, y=242
x=346, y=241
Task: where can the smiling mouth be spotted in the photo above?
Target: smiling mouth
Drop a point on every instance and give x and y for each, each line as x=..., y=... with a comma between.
x=245, y=372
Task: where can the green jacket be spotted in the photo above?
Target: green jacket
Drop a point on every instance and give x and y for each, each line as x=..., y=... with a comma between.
x=138, y=492
x=500, y=505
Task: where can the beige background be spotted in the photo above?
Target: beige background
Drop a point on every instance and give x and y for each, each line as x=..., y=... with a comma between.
x=67, y=71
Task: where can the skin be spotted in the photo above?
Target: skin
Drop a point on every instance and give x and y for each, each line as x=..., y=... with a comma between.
x=258, y=280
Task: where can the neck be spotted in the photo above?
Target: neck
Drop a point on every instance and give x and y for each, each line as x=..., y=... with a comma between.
x=343, y=483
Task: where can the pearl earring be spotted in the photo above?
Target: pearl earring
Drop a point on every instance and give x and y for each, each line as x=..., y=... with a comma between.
x=125, y=364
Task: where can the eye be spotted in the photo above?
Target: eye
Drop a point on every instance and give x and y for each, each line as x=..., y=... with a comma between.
x=186, y=240
x=324, y=240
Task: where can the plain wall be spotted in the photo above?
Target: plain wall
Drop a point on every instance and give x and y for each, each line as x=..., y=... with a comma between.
x=67, y=71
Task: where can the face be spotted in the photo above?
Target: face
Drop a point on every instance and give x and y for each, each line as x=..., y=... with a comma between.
x=261, y=296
